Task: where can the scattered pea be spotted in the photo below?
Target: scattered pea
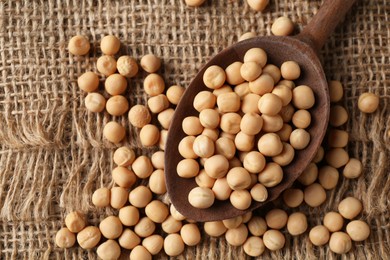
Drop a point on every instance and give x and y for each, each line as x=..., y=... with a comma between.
x=282, y=26
x=75, y=221
x=190, y=234
x=276, y=218
x=101, y=197
x=149, y=135
x=129, y=216
x=293, y=197
x=139, y=116
x=153, y=244
x=89, y=237
x=319, y=235
x=95, y=102
x=150, y=63
x=353, y=169
x=237, y=236
x=314, y=195
x=124, y=156
x=142, y=167
x=106, y=65
x=173, y=245
x=158, y=103
x=340, y=243
x=368, y=102
x=114, y=132
x=254, y=246
x=297, y=223
x=111, y=227
x=127, y=66
x=336, y=91
x=258, y=5
x=140, y=196
x=274, y=239
x=333, y=221
x=88, y=81
x=79, y=45
x=109, y=250
x=214, y=228
x=358, y=230
x=145, y=227
x=350, y=207
x=123, y=177
x=129, y=239
x=338, y=116
x=171, y=225
x=118, y=197
x=174, y=94
x=117, y=105
x=157, y=182
x=65, y=238
x=157, y=211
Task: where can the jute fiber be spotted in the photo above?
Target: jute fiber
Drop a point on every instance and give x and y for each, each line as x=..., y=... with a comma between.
x=53, y=155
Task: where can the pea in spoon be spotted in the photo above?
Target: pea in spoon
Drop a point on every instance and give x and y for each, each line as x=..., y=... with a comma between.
x=302, y=48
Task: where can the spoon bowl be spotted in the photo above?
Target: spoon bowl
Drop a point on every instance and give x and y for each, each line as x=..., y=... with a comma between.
x=302, y=49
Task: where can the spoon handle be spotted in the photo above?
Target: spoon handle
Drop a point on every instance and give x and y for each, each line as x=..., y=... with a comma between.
x=331, y=13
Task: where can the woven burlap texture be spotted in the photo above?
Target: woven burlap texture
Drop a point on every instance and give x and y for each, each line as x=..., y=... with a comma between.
x=53, y=155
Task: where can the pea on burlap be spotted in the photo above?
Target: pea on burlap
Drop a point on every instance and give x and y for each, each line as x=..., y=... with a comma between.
x=53, y=155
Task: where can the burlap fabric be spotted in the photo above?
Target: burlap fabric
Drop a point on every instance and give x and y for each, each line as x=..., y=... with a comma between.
x=53, y=155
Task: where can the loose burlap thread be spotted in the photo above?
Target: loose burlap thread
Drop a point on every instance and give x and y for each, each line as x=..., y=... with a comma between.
x=53, y=155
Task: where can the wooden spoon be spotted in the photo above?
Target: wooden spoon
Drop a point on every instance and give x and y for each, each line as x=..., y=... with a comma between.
x=302, y=48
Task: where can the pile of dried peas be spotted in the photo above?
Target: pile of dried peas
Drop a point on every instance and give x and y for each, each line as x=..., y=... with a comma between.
x=140, y=208
x=248, y=128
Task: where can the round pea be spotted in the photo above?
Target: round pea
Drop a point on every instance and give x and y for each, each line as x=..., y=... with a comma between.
x=319, y=235
x=282, y=26
x=115, y=84
x=109, y=250
x=190, y=234
x=79, y=45
x=274, y=239
x=297, y=223
x=110, y=45
x=114, y=132
x=340, y=243
x=333, y=221
x=214, y=228
x=127, y=66
x=276, y=218
x=153, y=244
x=173, y=245
x=111, y=227
x=358, y=230
x=314, y=195
x=254, y=246
x=129, y=239
x=65, y=238
x=75, y=221
x=368, y=102
x=106, y=65
x=237, y=236
x=201, y=197
x=95, y=102
x=150, y=63
x=350, y=207
x=88, y=81
x=89, y=237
